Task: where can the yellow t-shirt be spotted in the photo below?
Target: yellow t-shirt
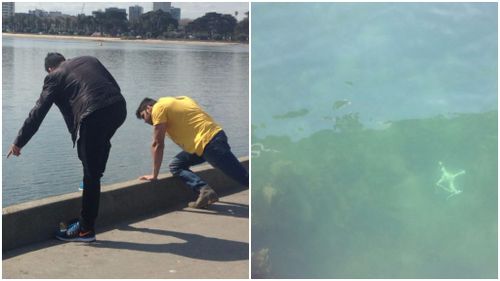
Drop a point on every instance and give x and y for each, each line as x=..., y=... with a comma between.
x=187, y=124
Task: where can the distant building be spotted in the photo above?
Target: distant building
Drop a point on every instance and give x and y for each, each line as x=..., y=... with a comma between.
x=165, y=6
x=38, y=12
x=134, y=13
x=94, y=13
x=175, y=13
x=8, y=9
x=113, y=9
x=55, y=14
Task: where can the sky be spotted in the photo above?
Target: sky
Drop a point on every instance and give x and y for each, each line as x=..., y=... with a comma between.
x=188, y=9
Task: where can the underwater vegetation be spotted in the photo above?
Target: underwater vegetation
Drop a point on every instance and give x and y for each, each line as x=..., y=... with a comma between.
x=292, y=114
x=355, y=202
x=340, y=103
x=260, y=263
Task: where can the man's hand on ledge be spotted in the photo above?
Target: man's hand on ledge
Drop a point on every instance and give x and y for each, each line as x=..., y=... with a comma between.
x=148, y=178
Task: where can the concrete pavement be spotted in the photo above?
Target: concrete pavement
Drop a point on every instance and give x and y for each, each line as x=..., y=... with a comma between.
x=184, y=243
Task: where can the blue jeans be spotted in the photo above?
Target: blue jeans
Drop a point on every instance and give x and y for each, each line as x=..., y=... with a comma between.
x=218, y=154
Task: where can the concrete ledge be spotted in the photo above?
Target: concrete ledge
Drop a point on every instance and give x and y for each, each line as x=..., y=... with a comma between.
x=37, y=220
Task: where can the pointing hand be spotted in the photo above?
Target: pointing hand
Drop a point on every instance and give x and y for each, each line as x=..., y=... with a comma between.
x=14, y=150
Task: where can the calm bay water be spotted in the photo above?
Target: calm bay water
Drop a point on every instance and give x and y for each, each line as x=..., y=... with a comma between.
x=358, y=112
x=215, y=76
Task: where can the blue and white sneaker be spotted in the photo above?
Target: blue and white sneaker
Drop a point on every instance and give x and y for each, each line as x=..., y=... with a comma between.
x=74, y=233
x=81, y=186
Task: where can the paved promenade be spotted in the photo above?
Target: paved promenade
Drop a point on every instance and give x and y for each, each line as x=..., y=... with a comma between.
x=185, y=243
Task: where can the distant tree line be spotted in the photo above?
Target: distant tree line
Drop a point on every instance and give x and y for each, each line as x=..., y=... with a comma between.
x=154, y=24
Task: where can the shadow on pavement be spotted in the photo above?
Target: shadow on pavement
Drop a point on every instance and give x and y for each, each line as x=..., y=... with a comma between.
x=196, y=246
x=30, y=248
x=222, y=208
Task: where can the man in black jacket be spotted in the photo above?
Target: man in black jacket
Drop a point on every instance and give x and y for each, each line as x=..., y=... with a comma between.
x=93, y=107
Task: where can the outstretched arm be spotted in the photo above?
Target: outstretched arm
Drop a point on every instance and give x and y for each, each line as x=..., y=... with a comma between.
x=157, y=148
x=36, y=115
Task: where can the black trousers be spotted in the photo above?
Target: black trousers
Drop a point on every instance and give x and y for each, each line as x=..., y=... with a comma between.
x=94, y=145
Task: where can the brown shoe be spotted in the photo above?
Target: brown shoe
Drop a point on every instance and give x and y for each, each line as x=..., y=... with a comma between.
x=207, y=196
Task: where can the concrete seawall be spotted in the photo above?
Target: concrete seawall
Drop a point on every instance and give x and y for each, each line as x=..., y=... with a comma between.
x=37, y=220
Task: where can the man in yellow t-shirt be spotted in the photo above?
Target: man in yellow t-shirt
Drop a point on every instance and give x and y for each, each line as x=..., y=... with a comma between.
x=200, y=138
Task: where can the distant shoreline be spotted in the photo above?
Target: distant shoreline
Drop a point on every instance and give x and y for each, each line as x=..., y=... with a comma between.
x=117, y=39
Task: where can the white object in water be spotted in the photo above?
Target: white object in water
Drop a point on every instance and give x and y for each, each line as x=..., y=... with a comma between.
x=447, y=181
x=259, y=147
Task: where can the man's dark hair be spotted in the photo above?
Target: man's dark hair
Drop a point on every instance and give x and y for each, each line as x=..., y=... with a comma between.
x=53, y=60
x=144, y=104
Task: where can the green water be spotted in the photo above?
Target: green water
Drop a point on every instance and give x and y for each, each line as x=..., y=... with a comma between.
x=369, y=207
x=345, y=171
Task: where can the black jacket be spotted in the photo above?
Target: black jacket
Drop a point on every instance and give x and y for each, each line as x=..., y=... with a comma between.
x=79, y=86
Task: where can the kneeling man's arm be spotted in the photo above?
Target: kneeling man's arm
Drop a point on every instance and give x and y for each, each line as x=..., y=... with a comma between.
x=157, y=150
